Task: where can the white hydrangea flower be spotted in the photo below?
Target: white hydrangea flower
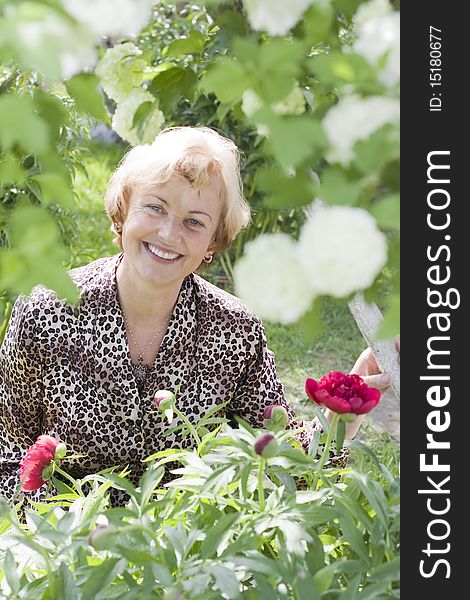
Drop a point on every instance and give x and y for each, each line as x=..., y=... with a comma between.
x=354, y=118
x=251, y=102
x=276, y=17
x=371, y=10
x=378, y=30
x=75, y=47
x=124, y=116
x=292, y=104
x=270, y=281
x=111, y=17
x=341, y=249
x=120, y=71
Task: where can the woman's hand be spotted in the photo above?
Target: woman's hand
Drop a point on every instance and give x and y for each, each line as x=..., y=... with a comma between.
x=366, y=366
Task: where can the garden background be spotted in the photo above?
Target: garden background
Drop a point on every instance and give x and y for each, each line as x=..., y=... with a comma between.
x=309, y=92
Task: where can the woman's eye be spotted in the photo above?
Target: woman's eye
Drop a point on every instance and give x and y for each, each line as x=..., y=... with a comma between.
x=156, y=208
x=195, y=223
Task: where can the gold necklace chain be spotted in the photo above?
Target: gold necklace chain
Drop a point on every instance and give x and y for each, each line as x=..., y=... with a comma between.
x=141, y=353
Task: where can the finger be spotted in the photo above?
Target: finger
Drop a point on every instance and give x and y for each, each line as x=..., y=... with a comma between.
x=381, y=381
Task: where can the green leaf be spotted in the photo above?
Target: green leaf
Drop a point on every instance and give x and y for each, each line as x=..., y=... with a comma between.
x=390, y=326
x=294, y=534
x=347, y=7
x=225, y=580
x=142, y=115
x=227, y=79
x=230, y=24
x=85, y=90
x=381, y=147
x=265, y=590
x=340, y=434
x=55, y=189
x=122, y=483
x=193, y=44
x=11, y=170
x=36, y=254
x=352, y=533
x=376, y=500
x=283, y=478
x=135, y=555
x=66, y=586
x=386, y=211
x=314, y=443
x=162, y=574
x=323, y=578
x=339, y=69
x=52, y=110
x=350, y=593
x=315, y=556
x=389, y=571
x=293, y=139
x=272, y=65
x=311, y=324
x=149, y=481
x=256, y=563
x=298, y=456
x=318, y=22
x=305, y=587
x=10, y=570
x=101, y=576
x=283, y=190
x=216, y=533
x=336, y=188
x=374, y=592
x=19, y=124
x=171, y=85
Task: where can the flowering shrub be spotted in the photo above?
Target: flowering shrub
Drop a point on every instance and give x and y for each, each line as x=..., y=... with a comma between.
x=270, y=279
x=341, y=250
x=231, y=523
x=121, y=70
x=308, y=90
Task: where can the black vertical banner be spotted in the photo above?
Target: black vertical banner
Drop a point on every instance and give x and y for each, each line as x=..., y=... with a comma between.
x=435, y=332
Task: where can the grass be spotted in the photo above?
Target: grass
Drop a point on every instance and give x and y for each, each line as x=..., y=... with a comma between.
x=94, y=238
x=335, y=349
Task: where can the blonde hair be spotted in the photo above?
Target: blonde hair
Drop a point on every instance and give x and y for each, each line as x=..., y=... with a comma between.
x=195, y=153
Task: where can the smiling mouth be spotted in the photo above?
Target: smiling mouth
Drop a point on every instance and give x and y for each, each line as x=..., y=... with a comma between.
x=162, y=254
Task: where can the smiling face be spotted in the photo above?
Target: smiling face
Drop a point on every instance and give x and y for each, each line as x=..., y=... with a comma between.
x=169, y=229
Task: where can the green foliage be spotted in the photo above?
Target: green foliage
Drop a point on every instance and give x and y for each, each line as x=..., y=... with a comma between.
x=228, y=524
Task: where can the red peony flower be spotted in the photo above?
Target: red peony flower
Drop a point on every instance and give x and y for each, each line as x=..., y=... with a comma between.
x=343, y=393
x=39, y=456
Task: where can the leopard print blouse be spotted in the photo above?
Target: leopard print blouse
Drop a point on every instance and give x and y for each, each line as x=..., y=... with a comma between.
x=66, y=371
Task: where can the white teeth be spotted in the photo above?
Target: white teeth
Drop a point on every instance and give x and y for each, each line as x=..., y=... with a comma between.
x=159, y=253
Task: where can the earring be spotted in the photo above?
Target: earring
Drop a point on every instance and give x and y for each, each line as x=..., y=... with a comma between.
x=208, y=258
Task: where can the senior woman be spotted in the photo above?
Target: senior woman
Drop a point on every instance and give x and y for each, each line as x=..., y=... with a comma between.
x=145, y=321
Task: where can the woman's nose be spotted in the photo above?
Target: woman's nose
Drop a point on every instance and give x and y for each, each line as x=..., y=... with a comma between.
x=169, y=229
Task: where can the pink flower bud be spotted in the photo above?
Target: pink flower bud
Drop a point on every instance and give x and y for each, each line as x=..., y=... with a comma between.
x=164, y=399
x=275, y=417
x=102, y=537
x=267, y=446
